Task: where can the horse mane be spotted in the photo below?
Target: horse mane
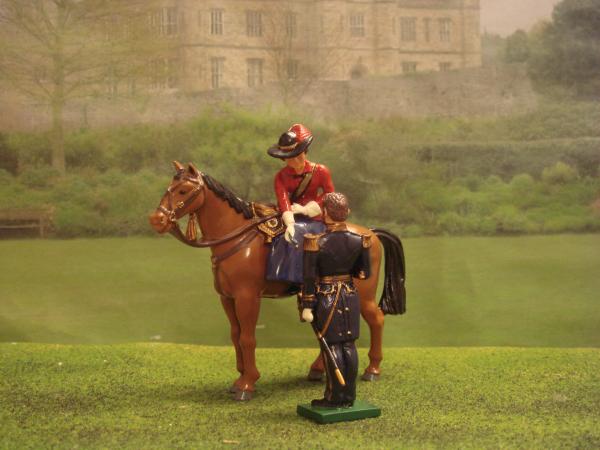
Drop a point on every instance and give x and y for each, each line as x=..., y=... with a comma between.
x=240, y=205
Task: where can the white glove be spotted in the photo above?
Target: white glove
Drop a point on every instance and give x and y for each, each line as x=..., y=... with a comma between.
x=307, y=314
x=311, y=209
x=298, y=209
x=288, y=220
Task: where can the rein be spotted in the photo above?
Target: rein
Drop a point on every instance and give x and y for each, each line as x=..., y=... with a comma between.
x=176, y=231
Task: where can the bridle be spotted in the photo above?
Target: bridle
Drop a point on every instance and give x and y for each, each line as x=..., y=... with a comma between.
x=171, y=211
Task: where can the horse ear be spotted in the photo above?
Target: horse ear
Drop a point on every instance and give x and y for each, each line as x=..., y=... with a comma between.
x=178, y=166
x=193, y=171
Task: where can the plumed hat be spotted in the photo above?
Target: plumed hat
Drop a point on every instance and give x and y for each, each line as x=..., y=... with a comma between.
x=291, y=143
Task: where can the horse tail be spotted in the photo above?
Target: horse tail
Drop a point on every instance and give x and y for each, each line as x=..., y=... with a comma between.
x=393, y=297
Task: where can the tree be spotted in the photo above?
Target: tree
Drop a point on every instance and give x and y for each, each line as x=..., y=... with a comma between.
x=53, y=51
x=516, y=49
x=301, y=48
x=492, y=47
x=567, y=50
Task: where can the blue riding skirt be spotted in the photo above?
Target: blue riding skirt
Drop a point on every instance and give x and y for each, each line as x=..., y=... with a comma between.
x=285, y=259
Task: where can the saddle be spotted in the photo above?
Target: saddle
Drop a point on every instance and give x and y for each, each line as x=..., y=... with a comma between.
x=272, y=227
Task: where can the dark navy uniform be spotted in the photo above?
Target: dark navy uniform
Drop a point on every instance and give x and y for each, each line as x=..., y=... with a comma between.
x=331, y=260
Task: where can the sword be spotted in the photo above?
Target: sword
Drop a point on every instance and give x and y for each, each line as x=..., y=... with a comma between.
x=294, y=242
x=327, y=350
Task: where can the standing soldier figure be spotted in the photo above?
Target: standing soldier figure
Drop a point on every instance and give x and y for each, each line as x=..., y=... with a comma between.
x=329, y=297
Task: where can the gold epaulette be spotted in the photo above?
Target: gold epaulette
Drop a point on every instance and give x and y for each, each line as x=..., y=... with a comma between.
x=366, y=240
x=311, y=242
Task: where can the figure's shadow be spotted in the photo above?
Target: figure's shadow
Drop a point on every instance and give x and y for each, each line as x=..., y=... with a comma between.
x=218, y=393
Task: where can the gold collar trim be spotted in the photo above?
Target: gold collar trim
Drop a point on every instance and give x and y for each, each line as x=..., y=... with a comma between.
x=336, y=226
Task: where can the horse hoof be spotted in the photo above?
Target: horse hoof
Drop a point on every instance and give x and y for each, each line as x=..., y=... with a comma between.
x=233, y=389
x=369, y=376
x=243, y=396
x=315, y=375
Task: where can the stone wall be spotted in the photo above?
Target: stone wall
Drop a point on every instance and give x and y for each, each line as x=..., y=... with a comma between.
x=470, y=92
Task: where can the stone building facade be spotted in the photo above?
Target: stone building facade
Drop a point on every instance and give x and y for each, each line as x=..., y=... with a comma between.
x=246, y=43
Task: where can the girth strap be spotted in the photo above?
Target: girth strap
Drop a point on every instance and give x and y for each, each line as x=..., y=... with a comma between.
x=216, y=259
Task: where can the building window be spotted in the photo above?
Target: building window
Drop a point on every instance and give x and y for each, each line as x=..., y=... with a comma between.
x=290, y=24
x=292, y=69
x=170, y=21
x=408, y=29
x=445, y=66
x=216, y=72
x=255, y=72
x=357, y=25
x=172, y=72
x=409, y=67
x=445, y=29
x=254, y=23
x=157, y=73
x=216, y=21
x=164, y=21
x=427, y=29
x=131, y=85
x=111, y=82
x=40, y=74
x=164, y=73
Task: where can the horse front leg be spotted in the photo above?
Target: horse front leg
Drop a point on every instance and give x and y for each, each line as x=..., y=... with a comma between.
x=247, y=307
x=229, y=307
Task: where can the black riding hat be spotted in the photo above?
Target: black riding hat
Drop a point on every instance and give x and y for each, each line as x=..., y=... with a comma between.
x=291, y=143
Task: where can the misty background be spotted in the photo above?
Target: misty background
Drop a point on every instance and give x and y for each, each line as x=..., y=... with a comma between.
x=507, y=16
x=486, y=166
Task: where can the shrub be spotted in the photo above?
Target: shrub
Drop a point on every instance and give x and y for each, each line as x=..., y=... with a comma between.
x=560, y=173
x=482, y=186
x=509, y=220
x=39, y=178
x=9, y=160
x=5, y=177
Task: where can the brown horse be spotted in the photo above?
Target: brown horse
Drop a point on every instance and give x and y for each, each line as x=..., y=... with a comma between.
x=239, y=255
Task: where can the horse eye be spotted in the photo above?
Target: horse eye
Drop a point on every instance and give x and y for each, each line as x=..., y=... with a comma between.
x=182, y=192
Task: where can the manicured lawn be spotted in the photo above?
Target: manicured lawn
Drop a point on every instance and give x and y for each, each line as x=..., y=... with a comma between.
x=471, y=291
x=174, y=396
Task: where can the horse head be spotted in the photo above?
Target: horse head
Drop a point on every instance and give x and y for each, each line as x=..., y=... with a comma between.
x=184, y=195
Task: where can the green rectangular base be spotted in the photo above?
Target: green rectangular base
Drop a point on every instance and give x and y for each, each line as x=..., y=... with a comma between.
x=360, y=410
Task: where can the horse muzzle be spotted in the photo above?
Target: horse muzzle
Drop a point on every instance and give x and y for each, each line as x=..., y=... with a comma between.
x=160, y=222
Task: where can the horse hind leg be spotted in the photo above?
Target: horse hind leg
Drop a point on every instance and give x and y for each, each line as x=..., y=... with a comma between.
x=375, y=320
x=317, y=369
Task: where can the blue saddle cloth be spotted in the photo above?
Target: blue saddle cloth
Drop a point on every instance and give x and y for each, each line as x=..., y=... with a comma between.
x=285, y=259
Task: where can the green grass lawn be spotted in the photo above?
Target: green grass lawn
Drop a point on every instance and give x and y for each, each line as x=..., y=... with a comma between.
x=174, y=396
x=462, y=291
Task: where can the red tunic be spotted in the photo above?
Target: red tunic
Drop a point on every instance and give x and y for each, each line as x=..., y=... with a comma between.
x=287, y=180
